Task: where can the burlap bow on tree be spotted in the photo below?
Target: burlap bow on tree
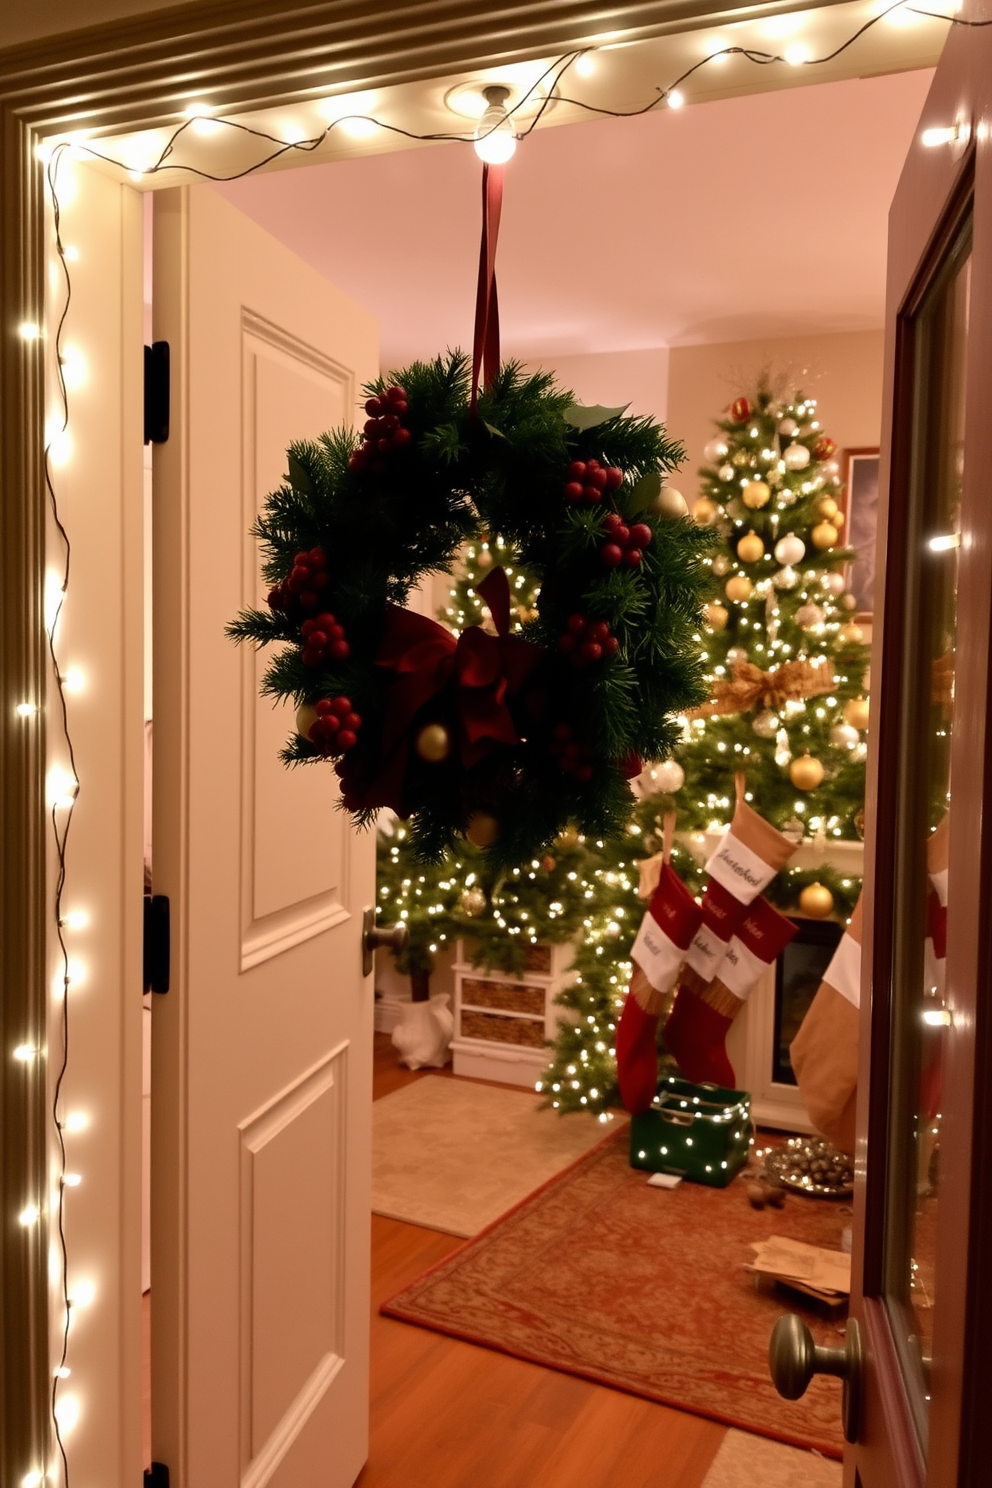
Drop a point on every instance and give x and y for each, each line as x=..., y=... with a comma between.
x=749, y=687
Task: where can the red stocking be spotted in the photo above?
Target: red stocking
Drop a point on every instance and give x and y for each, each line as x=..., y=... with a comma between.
x=696, y=1032
x=658, y=953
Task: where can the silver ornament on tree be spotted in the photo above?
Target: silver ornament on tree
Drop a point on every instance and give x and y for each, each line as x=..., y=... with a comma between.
x=848, y=602
x=796, y=457
x=765, y=724
x=833, y=583
x=790, y=549
x=786, y=578
x=726, y=472
x=788, y=427
x=721, y=565
x=473, y=901
x=716, y=449
x=809, y=616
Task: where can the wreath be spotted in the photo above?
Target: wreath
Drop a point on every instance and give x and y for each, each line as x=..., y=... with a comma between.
x=505, y=734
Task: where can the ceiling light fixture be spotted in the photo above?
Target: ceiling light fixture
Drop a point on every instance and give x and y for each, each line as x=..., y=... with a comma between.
x=495, y=140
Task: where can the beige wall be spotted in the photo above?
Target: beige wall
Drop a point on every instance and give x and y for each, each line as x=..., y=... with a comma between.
x=843, y=372
x=614, y=378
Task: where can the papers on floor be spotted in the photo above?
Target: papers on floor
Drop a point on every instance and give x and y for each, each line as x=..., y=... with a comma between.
x=664, y=1180
x=820, y=1273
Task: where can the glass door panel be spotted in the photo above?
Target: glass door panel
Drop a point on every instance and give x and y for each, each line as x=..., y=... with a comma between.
x=939, y=337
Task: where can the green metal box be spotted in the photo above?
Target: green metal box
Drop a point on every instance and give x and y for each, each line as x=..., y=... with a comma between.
x=701, y=1132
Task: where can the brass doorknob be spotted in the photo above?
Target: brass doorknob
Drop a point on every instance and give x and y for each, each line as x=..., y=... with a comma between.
x=373, y=935
x=794, y=1358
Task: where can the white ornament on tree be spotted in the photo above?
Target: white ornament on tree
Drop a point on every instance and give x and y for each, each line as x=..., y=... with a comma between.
x=796, y=457
x=790, y=549
x=809, y=616
x=786, y=578
x=833, y=583
x=788, y=427
x=766, y=724
x=726, y=472
x=669, y=776
x=844, y=736
x=717, y=449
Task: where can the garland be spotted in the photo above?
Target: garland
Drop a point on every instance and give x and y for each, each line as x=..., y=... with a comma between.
x=502, y=737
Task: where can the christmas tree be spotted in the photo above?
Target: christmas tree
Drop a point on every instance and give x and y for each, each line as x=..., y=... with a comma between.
x=785, y=659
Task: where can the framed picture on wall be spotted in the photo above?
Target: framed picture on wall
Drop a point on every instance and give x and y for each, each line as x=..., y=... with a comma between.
x=859, y=470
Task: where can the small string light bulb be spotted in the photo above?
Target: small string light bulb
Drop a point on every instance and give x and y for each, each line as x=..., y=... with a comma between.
x=495, y=140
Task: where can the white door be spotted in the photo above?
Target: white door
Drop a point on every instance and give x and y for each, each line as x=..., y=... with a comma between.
x=261, y=1078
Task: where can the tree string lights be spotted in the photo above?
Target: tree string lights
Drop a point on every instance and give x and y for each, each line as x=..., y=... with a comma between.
x=556, y=71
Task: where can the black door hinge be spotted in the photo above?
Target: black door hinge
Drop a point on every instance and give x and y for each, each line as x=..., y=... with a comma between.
x=157, y=944
x=157, y=392
x=157, y=1476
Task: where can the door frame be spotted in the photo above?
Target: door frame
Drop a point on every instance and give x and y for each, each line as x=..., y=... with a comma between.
x=935, y=191
x=122, y=76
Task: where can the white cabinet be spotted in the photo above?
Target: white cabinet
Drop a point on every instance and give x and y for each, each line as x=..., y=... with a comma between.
x=503, y=1022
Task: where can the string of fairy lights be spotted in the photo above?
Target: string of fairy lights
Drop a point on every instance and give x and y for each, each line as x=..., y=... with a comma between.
x=497, y=133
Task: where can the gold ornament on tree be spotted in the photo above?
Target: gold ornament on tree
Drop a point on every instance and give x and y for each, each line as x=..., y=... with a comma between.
x=806, y=772
x=856, y=712
x=750, y=548
x=816, y=901
x=756, y=494
x=716, y=616
x=433, y=743
x=827, y=508
x=738, y=588
x=824, y=536
x=851, y=634
x=705, y=512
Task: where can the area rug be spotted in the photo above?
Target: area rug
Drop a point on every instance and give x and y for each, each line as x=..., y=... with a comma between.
x=641, y=1288
x=746, y=1461
x=454, y=1155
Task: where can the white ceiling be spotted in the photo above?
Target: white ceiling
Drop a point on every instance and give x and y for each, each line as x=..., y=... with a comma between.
x=761, y=215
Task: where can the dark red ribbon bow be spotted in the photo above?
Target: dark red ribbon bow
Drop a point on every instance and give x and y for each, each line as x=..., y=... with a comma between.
x=477, y=673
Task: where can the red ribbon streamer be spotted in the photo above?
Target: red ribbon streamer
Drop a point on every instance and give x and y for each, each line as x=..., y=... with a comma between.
x=485, y=351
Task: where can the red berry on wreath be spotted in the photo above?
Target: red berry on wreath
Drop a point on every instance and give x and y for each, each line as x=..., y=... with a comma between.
x=339, y=650
x=577, y=624
x=612, y=521
x=396, y=394
x=632, y=557
x=573, y=491
x=341, y=706
x=402, y=437
x=598, y=631
x=373, y=406
x=590, y=651
x=596, y=477
x=347, y=739
x=614, y=477
x=611, y=646
x=641, y=534
x=611, y=554
x=567, y=642
x=323, y=706
x=592, y=493
x=576, y=470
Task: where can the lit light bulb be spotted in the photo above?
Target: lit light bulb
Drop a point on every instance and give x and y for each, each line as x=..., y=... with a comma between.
x=76, y=1121
x=675, y=99
x=26, y=710
x=495, y=140
x=62, y=787
x=24, y=1053
x=76, y=919
x=73, y=366
x=29, y=1215
x=74, y=679
x=943, y=135
x=796, y=55
x=33, y=1479
x=72, y=1180
x=66, y=1413
x=585, y=66
x=83, y=1294
x=28, y=331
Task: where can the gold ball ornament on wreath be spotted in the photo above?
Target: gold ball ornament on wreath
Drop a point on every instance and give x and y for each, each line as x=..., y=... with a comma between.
x=482, y=829
x=433, y=743
x=473, y=901
x=816, y=901
x=824, y=535
x=306, y=717
x=856, y=712
x=716, y=616
x=738, y=588
x=750, y=548
x=851, y=634
x=669, y=503
x=705, y=512
x=756, y=494
x=806, y=772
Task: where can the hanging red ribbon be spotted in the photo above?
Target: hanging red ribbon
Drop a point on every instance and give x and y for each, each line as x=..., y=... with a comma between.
x=485, y=351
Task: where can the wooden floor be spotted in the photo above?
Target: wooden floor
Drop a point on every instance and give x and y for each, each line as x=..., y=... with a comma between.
x=447, y=1414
